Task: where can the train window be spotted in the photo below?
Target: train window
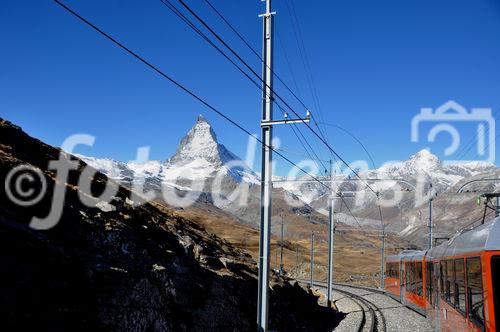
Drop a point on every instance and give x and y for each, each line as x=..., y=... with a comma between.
x=429, y=281
x=419, y=287
x=408, y=277
x=408, y=280
x=475, y=291
x=495, y=274
x=392, y=270
x=413, y=278
x=460, y=285
x=450, y=282
x=435, y=277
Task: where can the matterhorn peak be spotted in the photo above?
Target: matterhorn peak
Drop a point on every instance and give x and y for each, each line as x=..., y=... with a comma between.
x=200, y=153
x=201, y=118
x=199, y=143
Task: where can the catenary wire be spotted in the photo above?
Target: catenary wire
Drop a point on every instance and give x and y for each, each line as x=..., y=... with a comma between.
x=181, y=86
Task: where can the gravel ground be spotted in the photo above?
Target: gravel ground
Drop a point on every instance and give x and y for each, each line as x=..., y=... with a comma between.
x=397, y=317
x=352, y=309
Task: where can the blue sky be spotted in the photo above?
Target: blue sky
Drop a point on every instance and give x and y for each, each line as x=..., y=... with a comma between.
x=374, y=66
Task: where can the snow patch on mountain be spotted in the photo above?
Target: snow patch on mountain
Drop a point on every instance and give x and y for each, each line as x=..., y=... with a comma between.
x=304, y=188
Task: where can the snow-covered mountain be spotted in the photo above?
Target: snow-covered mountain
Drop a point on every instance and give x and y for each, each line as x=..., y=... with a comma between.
x=199, y=156
x=423, y=167
x=426, y=165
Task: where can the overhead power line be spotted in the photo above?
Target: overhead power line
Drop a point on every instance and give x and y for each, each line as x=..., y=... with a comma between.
x=303, y=55
x=186, y=20
x=189, y=92
x=323, y=140
x=248, y=66
x=243, y=39
x=355, y=138
x=252, y=49
x=181, y=86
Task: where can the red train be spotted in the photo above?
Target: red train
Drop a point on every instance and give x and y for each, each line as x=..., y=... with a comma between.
x=455, y=285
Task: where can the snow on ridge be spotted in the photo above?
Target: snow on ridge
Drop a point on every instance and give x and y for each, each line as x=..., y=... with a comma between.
x=145, y=169
x=421, y=164
x=110, y=167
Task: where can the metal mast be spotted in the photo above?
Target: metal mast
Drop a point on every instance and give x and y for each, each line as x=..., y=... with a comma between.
x=331, y=235
x=312, y=261
x=431, y=226
x=382, y=259
x=497, y=207
x=282, y=268
x=266, y=124
x=266, y=171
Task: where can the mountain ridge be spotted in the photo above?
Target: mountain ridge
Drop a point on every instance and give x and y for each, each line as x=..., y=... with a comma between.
x=199, y=156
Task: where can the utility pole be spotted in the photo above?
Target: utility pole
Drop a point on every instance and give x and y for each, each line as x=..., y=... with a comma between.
x=282, y=269
x=266, y=172
x=266, y=125
x=382, y=259
x=297, y=261
x=497, y=207
x=312, y=261
x=276, y=256
x=431, y=226
x=331, y=235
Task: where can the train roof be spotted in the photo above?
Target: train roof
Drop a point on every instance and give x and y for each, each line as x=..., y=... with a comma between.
x=407, y=255
x=481, y=238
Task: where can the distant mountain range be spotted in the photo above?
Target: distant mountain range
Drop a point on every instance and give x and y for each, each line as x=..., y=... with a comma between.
x=199, y=156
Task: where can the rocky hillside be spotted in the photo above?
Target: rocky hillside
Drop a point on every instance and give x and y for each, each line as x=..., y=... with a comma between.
x=452, y=210
x=125, y=267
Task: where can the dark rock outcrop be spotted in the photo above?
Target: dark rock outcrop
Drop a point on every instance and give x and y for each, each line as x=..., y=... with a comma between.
x=125, y=267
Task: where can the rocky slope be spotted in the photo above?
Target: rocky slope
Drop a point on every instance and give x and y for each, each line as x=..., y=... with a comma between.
x=123, y=267
x=452, y=211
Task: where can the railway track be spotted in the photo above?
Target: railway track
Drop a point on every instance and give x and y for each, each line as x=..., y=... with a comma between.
x=372, y=319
